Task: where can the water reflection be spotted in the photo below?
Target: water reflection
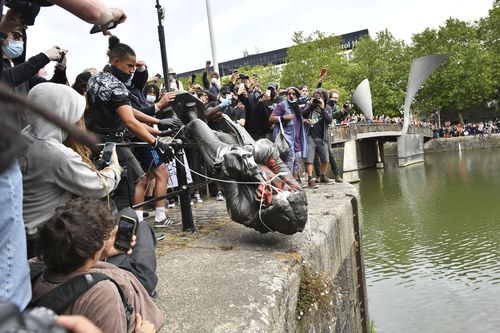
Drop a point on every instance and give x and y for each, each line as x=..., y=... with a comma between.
x=432, y=243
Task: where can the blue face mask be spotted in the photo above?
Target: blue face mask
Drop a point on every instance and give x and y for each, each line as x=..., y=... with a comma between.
x=14, y=49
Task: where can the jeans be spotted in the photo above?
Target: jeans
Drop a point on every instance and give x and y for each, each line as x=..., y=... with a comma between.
x=15, y=285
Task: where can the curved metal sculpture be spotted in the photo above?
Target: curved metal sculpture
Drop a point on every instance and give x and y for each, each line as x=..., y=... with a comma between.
x=260, y=191
x=362, y=97
x=421, y=69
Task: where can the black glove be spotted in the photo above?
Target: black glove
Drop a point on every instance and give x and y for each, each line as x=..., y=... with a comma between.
x=168, y=132
x=164, y=150
x=170, y=123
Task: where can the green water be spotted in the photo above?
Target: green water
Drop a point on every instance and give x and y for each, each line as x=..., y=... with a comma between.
x=432, y=243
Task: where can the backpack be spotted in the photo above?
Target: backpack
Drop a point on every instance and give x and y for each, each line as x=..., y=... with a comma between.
x=61, y=297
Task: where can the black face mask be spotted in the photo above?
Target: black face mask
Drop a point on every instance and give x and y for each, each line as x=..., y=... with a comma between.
x=332, y=103
x=119, y=74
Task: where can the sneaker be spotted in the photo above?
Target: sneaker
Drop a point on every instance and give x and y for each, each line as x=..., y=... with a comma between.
x=166, y=222
x=159, y=236
x=197, y=198
x=311, y=183
x=220, y=196
x=325, y=180
x=338, y=179
x=171, y=203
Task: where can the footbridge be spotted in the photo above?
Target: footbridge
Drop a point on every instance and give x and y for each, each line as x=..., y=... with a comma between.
x=363, y=145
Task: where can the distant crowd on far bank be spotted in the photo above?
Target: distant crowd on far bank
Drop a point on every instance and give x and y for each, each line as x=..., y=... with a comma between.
x=479, y=129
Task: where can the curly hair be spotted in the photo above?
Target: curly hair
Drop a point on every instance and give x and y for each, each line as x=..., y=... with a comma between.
x=75, y=233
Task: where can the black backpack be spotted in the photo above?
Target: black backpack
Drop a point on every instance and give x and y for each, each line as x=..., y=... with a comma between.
x=61, y=297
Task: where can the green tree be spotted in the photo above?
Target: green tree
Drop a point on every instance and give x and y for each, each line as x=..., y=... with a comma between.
x=385, y=62
x=467, y=78
x=309, y=55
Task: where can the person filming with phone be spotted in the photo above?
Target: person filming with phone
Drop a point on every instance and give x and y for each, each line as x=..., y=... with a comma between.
x=54, y=166
x=73, y=243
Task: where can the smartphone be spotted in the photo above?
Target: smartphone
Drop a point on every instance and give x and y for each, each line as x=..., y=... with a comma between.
x=97, y=28
x=323, y=71
x=209, y=62
x=62, y=57
x=126, y=230
x=105, y=159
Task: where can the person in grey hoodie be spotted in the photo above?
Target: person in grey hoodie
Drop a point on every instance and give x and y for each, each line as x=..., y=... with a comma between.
x=53, y=172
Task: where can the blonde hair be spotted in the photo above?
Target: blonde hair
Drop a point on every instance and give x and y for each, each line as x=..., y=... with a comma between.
x=80, y=149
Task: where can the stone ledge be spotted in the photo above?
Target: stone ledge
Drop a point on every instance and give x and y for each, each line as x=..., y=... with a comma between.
x=238, y=280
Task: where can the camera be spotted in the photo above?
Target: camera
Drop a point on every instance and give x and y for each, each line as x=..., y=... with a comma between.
x=316, y=100
x=36, y=320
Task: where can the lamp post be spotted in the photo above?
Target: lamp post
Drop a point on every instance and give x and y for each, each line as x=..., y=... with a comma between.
x=212, y=38
x=163, y=50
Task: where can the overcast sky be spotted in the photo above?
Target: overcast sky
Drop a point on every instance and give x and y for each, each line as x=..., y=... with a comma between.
x=255, y=25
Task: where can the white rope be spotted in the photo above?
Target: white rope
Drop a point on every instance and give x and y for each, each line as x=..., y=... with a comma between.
x=283, y=173
x=268, y=182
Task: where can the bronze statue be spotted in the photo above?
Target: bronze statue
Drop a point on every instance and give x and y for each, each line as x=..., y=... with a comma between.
x=259, y=188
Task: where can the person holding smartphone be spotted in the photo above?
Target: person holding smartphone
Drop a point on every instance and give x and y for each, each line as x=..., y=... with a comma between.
x=214, y=85
x=87, y=231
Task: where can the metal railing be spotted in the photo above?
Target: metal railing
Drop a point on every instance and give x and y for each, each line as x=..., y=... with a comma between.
x=344, y=133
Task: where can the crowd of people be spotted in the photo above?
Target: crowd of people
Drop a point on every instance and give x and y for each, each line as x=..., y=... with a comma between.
x=61, y=205
x=477, y=129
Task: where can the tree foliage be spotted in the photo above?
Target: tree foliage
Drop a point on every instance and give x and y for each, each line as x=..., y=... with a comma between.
x=466, y=79
x=385, y=63
x=470, y=77
x=309, y=55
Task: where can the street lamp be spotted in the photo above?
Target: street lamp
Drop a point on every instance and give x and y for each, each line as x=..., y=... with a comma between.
x=163, y=50
x=212, y=38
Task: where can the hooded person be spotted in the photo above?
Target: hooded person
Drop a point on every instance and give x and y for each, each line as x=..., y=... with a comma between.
x=53, y=172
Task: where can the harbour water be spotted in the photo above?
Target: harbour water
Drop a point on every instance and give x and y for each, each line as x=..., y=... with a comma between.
x=432, y=243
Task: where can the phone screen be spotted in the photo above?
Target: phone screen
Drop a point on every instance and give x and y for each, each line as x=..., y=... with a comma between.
x=126, y=230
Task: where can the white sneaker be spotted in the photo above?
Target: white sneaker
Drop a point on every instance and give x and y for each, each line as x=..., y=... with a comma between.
x=197, y=198
x=220, y=196
x=171, y=205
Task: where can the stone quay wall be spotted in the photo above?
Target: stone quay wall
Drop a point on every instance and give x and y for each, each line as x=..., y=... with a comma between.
x=229, y=278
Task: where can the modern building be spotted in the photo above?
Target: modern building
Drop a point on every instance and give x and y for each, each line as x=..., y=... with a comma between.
x=276, y=57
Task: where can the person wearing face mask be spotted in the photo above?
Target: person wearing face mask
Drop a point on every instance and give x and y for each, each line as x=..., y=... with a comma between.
x=213, y=86
x=288, y=113
x=111, y=117
x=318, y=116
x=151, y=93
x=17, y=76
x=338, y=116
x=174, y=84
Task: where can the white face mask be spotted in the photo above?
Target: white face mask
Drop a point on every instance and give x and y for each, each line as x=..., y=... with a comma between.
x=151, y=98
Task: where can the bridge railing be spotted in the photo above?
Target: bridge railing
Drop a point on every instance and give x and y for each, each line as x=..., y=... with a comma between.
x=349, y=132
